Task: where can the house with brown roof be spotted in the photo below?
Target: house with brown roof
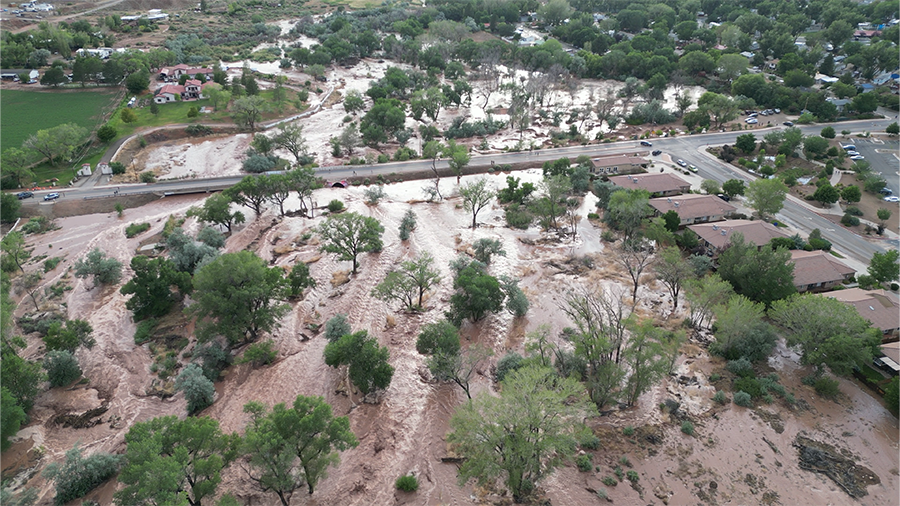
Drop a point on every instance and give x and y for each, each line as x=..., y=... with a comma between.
x=693, y=208
x=716, y=237
x=659, y=185
x=818, y=271
x=191, y=89
x=877, y=306
x=168, y=93
x=890, y=362
x=618, y=164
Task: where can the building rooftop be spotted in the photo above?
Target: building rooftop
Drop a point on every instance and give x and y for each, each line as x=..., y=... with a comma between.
x=880, y=308
x=691, y=205
x=618, y=159
x=719, y=234
x=811, y=267
x=653, y=183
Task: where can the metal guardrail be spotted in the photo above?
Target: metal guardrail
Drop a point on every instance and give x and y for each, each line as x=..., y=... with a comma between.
x=116, y=195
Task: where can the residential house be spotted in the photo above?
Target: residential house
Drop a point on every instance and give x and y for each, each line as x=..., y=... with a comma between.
x=716, y=237
x=191, y=89
x=866, y=34
x=13, y=74
x=693, y=208
x=659, y=185
x=618, y=164
x=823, y=79
x=168, y=93
x=818, y=271
x=172, y=72
x=877, y=306
x=839, y=103
x=890, y=362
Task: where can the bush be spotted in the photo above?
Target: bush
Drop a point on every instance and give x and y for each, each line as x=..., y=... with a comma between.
x=198, y=130
x=335, y=206
x=602, y=494
x=117, y=168
x=407, y=224
x=740, y=367
x=373, y=194
x=198, y=390
x=583, y=462
x=148, y=177
x=517, y=216
x=589, y=442
x=624, y=461
x=687, y=427
x=509, y=363
x=337, y=327
x=632, y=476
x=135, y=229
x=849, y=220
x=62, y=368
x=827, y=387
x=892, y=395
x=38, y=225
x=720, y=397
x=256, y=164
x=51, y=263
x=609, y=481
x=213, y=359
x=259, y=354
x=407, y=483
x=742, y=399
x=749, y=385
x=715, y=377
x=79, y=475
x=144, y=331
x=853, y=211
x=628, y=430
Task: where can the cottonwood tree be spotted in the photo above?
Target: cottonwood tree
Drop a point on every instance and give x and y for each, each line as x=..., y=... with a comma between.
x=523, y=435
x=704, y=295
x=646, y=358
x=188, y=254
x=635, y=258
x=278, y=188
x=485, y=248
x=16, y=166
x=217, y=95
x=290, y=138
x=432, y=151
x=104, y=270
x=409, y=283
x=304, y=181
x=77, y=475
x=12, y=416
x=516, y=301
x=349, y=234
x=199, y=391
x=626, y=210
x=733, y=187
x=547, y=207
x=247, y=111
x=151, y=287
x=292, y=446
x=741, y=330
x=458, y=157
x=251, y=191
x=884, y=267
x=673, y=270
x=476, y=196
x=300, y=279
x=62, y=368
x=761, y=274
x=446, y=361
x=172, y=461
x=828, y=332
x=14, y=252
x=217, y=210
x=238, y=296
x=477, y=294
x=57, y=143
x=367, y=362
x=75, y=333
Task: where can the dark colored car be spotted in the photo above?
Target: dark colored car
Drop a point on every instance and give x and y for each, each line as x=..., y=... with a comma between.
x=24, y=195
x=656, y=153
x=646, y=143
x=789, y=123
x=724, y=197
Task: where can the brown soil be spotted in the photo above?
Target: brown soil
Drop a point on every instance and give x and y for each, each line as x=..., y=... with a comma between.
x=869, y=205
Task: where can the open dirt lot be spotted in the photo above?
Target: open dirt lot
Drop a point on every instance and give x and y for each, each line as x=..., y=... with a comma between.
x=737, y=455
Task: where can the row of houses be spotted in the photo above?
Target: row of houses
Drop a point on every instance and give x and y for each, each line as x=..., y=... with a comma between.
x=175, y=72
x=192, y=90
x=814, y=271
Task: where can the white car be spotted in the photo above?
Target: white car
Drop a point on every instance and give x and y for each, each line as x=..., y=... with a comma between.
x=892, y=198
x=681, y=162
x=777, y=111
x=752, y=121
x=852, y=152
x=857, y=157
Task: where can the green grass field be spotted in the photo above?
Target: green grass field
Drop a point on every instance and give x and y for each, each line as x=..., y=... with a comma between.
x=26, y=112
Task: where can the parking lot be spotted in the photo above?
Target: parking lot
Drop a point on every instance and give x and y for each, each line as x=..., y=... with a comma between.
x=882, y=155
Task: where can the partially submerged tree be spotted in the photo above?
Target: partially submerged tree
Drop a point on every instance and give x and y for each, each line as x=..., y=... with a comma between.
x=410, y=282
x=104, y=270
x=198, y=389
x=761, y=274
x=673, y=270
x=366, y=361
x=349, y=234
x=151, y=287
x=476, y=196
x=217, y=210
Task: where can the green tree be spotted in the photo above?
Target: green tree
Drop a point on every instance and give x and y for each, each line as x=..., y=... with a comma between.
x=14, y=251
x=78, y=475
x=627, y=210
x=892, y=394
x=300, y=279
x=864, y=103
x=766, y=196
x=851, y=193
x=741, y=330
x=892, y=129
x=57, y=143
x=722, y=108
x=15, y=165
x=523, y=435
x=353, y=102
x=217, y=94
x=815, y=145
x=349, y=234
x=105, y=271
x=827, y=331
x=128, y=116
x=62, y=368
x=366, y=361
x=710, y=186
x=746, y=143
x=172, y=461
x=460, y=366
x=476, y=196
x=237, y=296
x=885, y=267
x=382, y=121
x=199, y=391
x=290, y=446
x=671, y=220
x=290, y=138
x=336, y=327
x=106, y=133
x=410, y=282
x=54, y=76
x=476, y=295
x=760, y=274
x=828, y=132
x=882, y=213
x=458, y=158
x=138, y=82
x=646, y=357
x=674, y=271
x=11, y=418
x=247, y=111
x=19, y=376
x=485, y=248
x=151, y=287
x=733, y=187
x=217, y=210
x=826, y=194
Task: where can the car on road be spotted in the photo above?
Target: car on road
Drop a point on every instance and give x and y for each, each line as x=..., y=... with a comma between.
x=24, y=195
x=681, y=162
x=892, y=198
x=646, y=143
x=886, y=191
x=789, y=123
x=857, y=157
x=692, y=168
x=656, y=152
x=51, y=196
x=752, y=121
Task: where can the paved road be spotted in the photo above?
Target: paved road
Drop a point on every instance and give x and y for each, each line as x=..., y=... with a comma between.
x=797, y=214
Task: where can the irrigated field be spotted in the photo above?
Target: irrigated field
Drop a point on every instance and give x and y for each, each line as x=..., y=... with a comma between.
x=26, y=112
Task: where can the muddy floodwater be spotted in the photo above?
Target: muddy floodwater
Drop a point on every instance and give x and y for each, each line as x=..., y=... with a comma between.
x=735, y=456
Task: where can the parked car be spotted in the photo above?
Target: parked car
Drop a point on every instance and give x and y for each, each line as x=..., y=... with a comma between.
x=51, y=196
x=789, y=123
x=753, y=114
x=656, y=152
x=857, y=157
x=646, y=143
x=850, y=152
x=724, y=197
x=886, y=191
x=24, y=195
x=681, y=162
x=892, y=198
x=752, y=121
x=849, y=147
x=764, y=113
x=777, y=111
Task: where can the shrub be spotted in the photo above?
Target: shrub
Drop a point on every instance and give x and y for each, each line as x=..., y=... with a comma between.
x=198, y=130
x=632, y=476
x=38, y=225
x=118, y=168
x=337, y=327
x=742, y=399
x=335, y=206
x=602, y=494
x=51, y=263
x=593, y=216
x=259, y=354
x=589, y=442
x=849, y=220
x=720, y=397
x=373, y=194
x=749, y=385
x=853, y=211
x=740, y=367
x=583, y=462
x=892, y=395
x=517, y=216
x=407, y=483
x=144, y=331
x=79, y=475
x=509, y=363
x=135, y=229
x=687, y=427
x=198, y=390
x=609, y=481
x=827, y=387
x=619, y=473
x=407, y=224
x=62, y=368
x=213, y=359
x=624, y=461
x=628, y=430
x=148, y=177
x=714, y=377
